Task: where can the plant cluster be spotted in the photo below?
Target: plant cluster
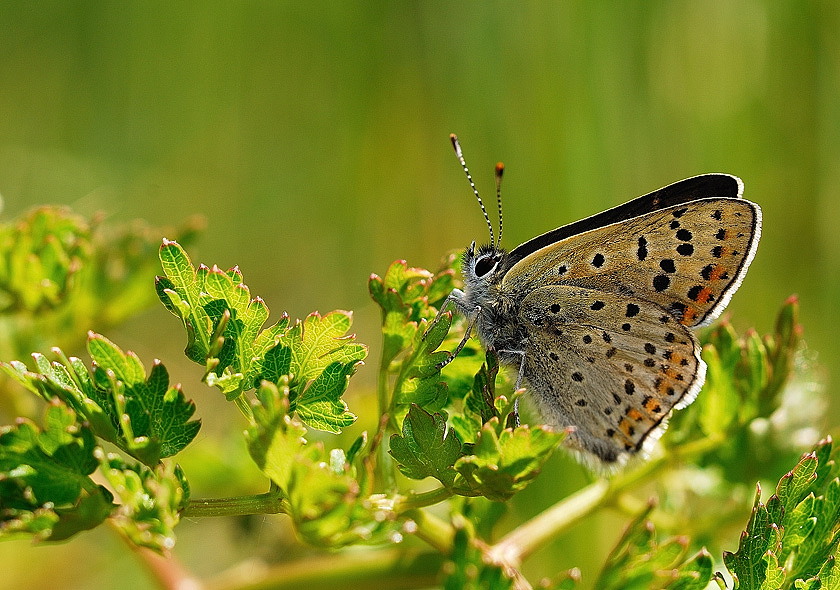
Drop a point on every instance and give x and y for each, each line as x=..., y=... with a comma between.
x=446, y=456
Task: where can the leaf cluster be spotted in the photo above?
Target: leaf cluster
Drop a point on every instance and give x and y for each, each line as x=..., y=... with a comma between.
x=451, y=422
x=790, y=541
x=47, y=488
x=61, y=275
x=225, y=335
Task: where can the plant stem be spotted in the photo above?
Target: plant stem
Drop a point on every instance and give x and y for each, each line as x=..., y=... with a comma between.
x=267, y=503
x=412, y=501
x=168, y=571
x=521, y=542
x=433, y=530
x=244, y=407
x=347, y=570
x=525, y=539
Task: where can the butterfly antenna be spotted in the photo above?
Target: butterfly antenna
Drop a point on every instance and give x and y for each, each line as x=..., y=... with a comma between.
x=500, y=171
x=454, y=139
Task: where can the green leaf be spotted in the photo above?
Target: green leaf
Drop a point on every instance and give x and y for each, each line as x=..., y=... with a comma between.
x=468, y=570
x=402, y=297
x=426, y=447
x=419, y=379
x=791, y=539
x=225, y=335
x=149, y=500
x=321, y=492
x=45, y=487
x=320, y=358
x=321, y=406
x=499, y=465
x=641, y=561
x=142, y=415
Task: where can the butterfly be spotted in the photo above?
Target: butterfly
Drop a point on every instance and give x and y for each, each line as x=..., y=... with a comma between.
x=597, y=316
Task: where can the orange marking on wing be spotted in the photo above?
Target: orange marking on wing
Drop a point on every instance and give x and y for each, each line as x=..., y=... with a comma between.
x=628, y=430
x=652, y=406
x=635, y=414
x=717, y=272
x=689, y=315
x=671, y=373
x=704, y=295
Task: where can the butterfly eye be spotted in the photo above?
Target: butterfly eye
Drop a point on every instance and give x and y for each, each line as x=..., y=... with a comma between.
x=484, y=265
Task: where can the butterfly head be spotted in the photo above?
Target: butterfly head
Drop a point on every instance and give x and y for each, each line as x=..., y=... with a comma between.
x=480, y=264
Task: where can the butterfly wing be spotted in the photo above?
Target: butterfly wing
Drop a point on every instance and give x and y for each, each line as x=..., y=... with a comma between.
x=612, y=377
x=677, y=193
x=687, y=258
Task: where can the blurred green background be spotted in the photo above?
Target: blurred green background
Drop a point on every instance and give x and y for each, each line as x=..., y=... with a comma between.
x=314, y=139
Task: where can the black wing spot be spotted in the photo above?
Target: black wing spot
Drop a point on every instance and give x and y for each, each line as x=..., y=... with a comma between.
x=685, y=249
x=667, y=264
x=661, y=282
x=642, y=252
x=598, y=261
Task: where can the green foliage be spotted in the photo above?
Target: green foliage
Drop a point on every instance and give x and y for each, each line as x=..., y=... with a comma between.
x=426, y=448
x=61, y=275
x=789, y=540
x=454, y=424
x=141, y=415
x=150, y=500
x=224, y=334
x=45, y=486
x=405, y=296
x=469, y=570
x=744, y=389
x=320, y=489
x=41, y=258
x=641, y=562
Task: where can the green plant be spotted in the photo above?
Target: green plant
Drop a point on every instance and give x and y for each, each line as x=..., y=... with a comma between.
x=445, y=439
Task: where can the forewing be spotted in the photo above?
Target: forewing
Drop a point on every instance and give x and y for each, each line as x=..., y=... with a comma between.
x=609, y=365
x=689, y=259
x=677, y=193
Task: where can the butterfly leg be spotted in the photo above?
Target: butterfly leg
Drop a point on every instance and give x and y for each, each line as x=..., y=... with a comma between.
x=455, y=298
x=463, y=342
